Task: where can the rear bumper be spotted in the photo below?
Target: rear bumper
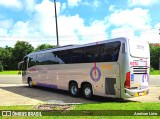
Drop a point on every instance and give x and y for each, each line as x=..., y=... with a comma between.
x=129, y=93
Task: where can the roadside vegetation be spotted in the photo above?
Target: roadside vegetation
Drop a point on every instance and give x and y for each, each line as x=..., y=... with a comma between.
x=155, y=72
x=10, y=72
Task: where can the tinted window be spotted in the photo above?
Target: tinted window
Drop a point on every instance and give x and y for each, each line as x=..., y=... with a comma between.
x=76, y=55
x=51, y=58
x=91, y=53
x=32, y=61
x=63, y=56
x=41, y=58
x=109, y=52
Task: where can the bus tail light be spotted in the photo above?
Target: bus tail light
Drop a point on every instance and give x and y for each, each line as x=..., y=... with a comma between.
x=127, y=82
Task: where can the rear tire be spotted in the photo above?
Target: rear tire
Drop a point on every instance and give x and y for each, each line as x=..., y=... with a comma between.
x=30, y=83
x=73, y=89
x=87, y=91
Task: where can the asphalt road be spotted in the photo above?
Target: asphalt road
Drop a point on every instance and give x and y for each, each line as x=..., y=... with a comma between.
x=154, y=80
x=13, y=92
x=10, y=79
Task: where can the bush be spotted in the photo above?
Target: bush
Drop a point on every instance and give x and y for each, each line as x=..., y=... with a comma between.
x=151, y=69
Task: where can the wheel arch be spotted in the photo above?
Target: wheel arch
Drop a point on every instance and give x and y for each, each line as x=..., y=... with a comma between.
x=29, y=78
x=86, y=82
x=72, y=81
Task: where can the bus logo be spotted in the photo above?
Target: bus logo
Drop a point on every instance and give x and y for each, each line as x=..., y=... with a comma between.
x=145, y=78
x=95, y=74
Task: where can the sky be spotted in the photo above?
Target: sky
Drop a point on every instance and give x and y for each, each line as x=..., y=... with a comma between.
x=79, y=21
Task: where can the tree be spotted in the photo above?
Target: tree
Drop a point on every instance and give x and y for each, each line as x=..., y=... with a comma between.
x=155, y=54
x=1, y=58
x=20, y=50
x=1, y=67
x=6, y=57
x=44, y=46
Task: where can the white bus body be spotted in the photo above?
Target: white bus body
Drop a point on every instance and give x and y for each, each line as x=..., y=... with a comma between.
x=92, y=68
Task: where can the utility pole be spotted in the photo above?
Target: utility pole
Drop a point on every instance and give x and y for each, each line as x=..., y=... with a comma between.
x=159, y=59
x=56, y=23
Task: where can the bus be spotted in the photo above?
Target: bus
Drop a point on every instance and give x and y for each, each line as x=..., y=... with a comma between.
x=117, y=68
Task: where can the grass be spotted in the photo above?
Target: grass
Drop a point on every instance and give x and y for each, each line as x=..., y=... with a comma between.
x=102, y=107
x=119, y=106
x=9, y=73
x=26, y=107
x=155, y=72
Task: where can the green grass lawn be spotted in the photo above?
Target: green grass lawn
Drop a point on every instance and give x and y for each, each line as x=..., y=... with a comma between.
x=9, y=72
x=119, y=106
x=155, y=72
x=99, y=108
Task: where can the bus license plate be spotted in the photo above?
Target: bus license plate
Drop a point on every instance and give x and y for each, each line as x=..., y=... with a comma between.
x=140, y=93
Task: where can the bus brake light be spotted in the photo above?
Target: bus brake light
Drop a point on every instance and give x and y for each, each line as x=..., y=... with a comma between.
x=127, y=82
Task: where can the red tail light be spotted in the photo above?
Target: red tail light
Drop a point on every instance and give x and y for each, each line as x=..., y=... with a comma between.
x=127, y=82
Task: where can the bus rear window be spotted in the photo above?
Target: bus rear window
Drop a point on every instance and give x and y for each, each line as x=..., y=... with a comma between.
x=139, y=49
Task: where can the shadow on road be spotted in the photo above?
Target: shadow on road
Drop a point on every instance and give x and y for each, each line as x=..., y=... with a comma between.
x=49, y=95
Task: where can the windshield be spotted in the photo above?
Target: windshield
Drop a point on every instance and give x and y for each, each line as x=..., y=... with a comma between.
x=139, y=49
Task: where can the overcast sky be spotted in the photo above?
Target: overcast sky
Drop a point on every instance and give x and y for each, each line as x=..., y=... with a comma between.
x=79, y=21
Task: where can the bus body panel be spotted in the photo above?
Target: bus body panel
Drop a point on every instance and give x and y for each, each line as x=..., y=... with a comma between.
x=59, y=75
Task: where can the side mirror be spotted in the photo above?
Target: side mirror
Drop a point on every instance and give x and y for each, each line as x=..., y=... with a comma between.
x=20, y=65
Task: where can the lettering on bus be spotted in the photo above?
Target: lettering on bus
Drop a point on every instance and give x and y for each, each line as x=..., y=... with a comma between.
x=140, y=47
x=134, y=63
x=106, y=66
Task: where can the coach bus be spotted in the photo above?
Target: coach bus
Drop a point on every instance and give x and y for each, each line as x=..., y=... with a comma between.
x=117, y=68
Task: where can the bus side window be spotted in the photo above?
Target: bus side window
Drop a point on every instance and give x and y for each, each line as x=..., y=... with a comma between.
x=41, y=59
x=32, y=61
x=63, y=56
x=91, y=54
x=109, y=52
x=76, y=55
x=51, y=58
x=105, y=53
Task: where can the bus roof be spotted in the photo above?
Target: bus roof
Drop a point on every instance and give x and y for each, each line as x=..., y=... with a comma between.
x=77, y=46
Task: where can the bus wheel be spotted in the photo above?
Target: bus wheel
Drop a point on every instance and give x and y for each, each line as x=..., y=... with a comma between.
x=30, y=83
x=87, y=91
x=73, y=89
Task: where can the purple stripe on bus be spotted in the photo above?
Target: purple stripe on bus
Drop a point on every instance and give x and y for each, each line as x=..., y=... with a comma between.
x=47, y=85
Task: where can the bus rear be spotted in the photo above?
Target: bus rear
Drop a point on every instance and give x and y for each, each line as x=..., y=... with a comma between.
x=137, y=72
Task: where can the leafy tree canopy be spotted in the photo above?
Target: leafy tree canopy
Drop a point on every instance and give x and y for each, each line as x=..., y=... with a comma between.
x=44, y=46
